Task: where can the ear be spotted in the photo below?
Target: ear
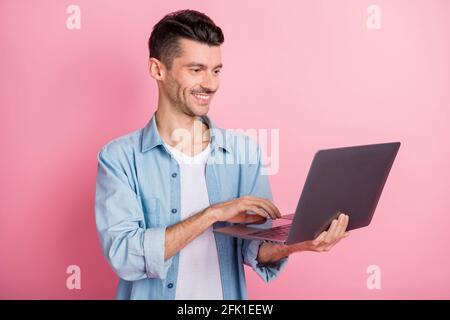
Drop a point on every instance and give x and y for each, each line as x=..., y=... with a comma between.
x=156, y=68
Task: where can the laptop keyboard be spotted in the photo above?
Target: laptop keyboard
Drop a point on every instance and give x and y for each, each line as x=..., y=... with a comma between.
x=280, y=231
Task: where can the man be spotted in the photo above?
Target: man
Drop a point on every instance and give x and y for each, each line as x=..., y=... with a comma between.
x=161, y=190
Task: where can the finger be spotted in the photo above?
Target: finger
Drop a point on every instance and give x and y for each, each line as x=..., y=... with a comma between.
x=339, y=237
x=258, y=211
x=268, y=206
x=268, y=203
x=331, y=232
x=345, y=235
x=332, y=244
x=339, y=231
x=272, y=205
x=347, y=222
x=328, y=247
x=345, y=226
x=342, y=227
x=320, y=238
x=342, y=223
x=330, y=237
x=253, y=219
x=265, y=206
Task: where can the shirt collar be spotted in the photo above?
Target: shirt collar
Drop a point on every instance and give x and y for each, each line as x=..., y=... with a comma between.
x=151, y=137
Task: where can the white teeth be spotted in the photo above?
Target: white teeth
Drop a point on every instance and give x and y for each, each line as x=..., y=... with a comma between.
x=203, y=97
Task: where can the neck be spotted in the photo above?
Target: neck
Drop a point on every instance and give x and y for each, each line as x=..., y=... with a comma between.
x=182, y=131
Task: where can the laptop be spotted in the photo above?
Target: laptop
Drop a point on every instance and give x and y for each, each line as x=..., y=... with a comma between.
x=348, y=180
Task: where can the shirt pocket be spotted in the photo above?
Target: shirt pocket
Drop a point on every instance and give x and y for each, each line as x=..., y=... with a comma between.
x=151, y=208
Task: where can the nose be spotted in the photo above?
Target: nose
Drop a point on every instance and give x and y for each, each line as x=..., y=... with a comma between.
x=210, y=82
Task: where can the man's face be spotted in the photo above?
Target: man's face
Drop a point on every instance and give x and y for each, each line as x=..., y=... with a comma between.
x=194, y=78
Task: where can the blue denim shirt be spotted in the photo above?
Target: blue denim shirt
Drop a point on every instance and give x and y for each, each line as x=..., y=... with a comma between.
x=138, y=196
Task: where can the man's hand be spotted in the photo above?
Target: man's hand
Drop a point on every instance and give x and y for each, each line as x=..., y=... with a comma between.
x=180, y=234
x=327, y=239
x=271, y=252
x=236, y=210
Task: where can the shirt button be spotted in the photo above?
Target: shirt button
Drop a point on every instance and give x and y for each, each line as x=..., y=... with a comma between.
x=174, y=210
x=174, y=175
x=170, y=285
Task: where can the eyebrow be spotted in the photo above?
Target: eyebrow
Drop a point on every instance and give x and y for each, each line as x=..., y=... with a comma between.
x=201, y=65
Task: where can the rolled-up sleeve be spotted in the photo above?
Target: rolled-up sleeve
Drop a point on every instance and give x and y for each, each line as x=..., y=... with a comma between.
x=267, y=272
x=133, y=251
x=258, y=185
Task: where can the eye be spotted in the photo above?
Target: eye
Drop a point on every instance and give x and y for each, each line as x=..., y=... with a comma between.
x=217, y=71
x=196, y=70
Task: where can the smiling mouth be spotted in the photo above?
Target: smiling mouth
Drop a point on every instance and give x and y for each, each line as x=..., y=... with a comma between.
x=202, y=98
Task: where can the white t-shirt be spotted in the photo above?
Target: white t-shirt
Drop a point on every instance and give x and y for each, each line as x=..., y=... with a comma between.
x=198, y=270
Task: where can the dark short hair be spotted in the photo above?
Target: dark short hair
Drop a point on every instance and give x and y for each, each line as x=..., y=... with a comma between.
x=189, y=24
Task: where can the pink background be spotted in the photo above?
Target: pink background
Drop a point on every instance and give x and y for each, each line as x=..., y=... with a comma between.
x=308, y=68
